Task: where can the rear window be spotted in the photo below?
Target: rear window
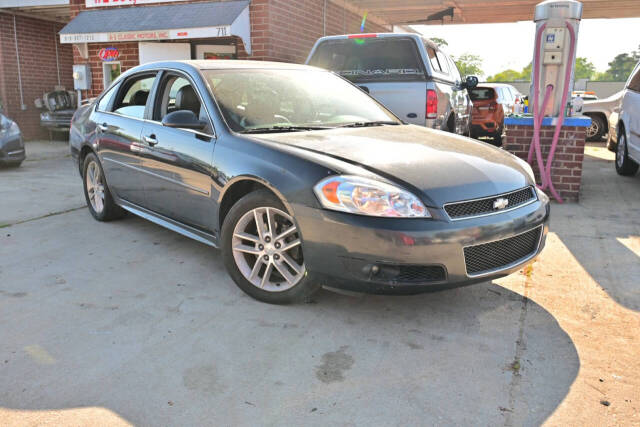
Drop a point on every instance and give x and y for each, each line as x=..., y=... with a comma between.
x=370, y=59
x=482, y=94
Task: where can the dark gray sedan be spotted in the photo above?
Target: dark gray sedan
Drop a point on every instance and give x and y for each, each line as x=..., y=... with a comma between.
x=12, y=152
x=304, y=180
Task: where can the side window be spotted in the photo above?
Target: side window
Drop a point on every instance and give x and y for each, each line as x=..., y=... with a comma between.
x=103, y=105
x=433, y=59
x=132, y=99
x=442, y=59
x=176, y=93
x=455, y=73
x=634, y=83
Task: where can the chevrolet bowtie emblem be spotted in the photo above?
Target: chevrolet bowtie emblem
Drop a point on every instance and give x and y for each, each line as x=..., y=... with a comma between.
x=500, y=203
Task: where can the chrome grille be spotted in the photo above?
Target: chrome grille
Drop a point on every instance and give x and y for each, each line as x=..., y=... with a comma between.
x=485, y=205
x=412, y=273
x=501, y=253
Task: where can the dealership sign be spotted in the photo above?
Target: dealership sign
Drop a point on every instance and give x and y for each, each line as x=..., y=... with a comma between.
x=150, y=35
x=108, y=54
x=104, y=3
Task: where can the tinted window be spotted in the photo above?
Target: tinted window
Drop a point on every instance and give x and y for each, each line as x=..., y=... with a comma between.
x=132, y=100
x=177, y=93
x=259, y=98
x=634, y=83
x=370, y=59
x=103, y=105
x=481, y=94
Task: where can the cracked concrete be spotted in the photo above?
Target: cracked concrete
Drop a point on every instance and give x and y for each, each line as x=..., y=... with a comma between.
x=128, y=323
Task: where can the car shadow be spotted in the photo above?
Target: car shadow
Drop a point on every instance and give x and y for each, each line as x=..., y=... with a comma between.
x=149, y=326
x=603, y=231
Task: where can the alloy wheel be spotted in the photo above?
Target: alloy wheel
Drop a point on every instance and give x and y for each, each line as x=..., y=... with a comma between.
x=621, y=150
x=267, y=249
x=95, y=187
x=593, y=129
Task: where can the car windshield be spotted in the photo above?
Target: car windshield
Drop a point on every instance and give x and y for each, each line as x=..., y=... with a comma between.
x=264, y=100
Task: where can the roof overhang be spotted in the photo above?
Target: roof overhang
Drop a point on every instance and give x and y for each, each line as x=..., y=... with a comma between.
x=417, y=12
x=174, y=22
x=48, y=10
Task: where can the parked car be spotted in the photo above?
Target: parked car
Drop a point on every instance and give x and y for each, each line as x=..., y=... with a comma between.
x=303, y=180
x=12, y=152
x=58, y=109
x=491, y=103
x=627, y=130
x=600, y=111
x=407, y=73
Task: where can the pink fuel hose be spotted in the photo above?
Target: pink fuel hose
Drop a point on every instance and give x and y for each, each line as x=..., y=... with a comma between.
x=538, y=115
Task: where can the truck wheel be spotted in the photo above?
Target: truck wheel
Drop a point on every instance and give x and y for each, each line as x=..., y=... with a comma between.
x=597, y=128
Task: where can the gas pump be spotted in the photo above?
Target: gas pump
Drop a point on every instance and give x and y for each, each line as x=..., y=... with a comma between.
x=557, y=23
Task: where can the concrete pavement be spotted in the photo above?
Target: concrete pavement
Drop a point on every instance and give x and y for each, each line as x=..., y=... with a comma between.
x=126, y=322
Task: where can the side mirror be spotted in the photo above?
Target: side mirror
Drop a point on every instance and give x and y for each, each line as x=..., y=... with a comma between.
x=185, y=119
x=470, y=82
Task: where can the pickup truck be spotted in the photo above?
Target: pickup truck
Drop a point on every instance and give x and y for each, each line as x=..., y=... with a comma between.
x=407, y=73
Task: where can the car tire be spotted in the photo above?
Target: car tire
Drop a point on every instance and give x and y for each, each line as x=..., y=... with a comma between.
x=624, y=165
x=257, y=261
x=96, y=192
x=595, y=132
x=497, y=139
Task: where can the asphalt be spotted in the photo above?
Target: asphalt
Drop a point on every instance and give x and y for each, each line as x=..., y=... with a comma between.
x=128, y=323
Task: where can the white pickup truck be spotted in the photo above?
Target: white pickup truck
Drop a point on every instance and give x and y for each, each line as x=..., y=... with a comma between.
x=407, y=73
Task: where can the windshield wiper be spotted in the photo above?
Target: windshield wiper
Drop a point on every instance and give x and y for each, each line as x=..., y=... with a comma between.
x=367, y=124
x=283, y=128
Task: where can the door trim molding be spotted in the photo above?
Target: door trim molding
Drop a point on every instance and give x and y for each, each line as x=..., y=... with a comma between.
x=155, y=175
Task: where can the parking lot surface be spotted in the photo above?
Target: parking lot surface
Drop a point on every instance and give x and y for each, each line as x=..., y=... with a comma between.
x=126, y=322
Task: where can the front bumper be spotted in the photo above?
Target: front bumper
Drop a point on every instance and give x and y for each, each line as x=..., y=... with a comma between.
x=340, y=249
x=12, y=151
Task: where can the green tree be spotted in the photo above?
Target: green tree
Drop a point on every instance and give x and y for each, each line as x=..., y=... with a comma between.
x=584, y=69
x=621, y=66
x=469, y=64
x=439, y=42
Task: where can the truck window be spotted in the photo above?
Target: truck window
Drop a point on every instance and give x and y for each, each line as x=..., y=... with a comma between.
x=370, y=59
x=442, y=59
x=634, y=83
x=481, y=94
x=433, y=59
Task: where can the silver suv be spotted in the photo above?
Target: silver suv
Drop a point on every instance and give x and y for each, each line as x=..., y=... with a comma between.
x=627, y=131
x=407, y=73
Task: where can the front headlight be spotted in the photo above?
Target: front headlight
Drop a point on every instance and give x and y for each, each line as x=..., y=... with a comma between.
x=10, y=131
x=366, y=196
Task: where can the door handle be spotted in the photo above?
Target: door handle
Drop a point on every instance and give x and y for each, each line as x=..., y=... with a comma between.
x=412, y=115
x=150, y=139
x=103, y=127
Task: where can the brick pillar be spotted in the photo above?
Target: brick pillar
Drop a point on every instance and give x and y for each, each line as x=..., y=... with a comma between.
x=566, y=168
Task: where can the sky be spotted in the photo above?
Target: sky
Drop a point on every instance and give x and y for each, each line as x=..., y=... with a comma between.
x=503, y=46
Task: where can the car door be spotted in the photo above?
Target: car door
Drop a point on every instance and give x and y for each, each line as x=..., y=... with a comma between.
x=631, y=111
x=119, y=118
x=178, y=162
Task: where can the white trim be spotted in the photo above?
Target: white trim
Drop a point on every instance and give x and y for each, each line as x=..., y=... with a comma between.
x=108, y=3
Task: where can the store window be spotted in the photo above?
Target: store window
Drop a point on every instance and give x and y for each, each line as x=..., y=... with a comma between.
x=110, y=72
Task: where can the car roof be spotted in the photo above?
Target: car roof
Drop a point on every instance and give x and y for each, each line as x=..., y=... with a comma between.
x=226, y=64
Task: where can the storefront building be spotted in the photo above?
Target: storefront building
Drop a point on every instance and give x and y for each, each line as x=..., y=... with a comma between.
x=111, y=36
x=42, y=42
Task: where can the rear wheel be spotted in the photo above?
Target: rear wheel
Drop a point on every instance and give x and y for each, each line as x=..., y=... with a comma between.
x=262, y=250
x=96, y=192
x=624, y=164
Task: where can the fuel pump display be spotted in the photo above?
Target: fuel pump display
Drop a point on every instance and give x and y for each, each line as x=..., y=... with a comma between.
x=554, y=54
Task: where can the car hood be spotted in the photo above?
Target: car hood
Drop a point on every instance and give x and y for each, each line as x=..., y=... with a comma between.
x=439, y=166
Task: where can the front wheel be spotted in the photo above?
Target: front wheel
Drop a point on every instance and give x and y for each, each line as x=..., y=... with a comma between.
x=262, y=250
x=624, y=164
